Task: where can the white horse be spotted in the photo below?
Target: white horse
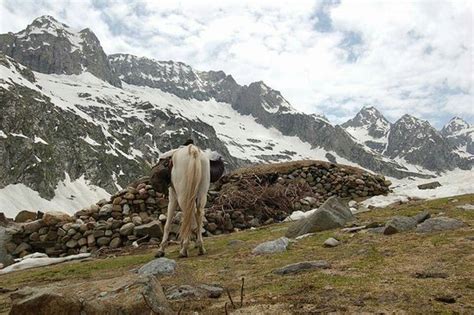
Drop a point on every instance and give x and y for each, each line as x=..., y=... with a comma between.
x=190, y=179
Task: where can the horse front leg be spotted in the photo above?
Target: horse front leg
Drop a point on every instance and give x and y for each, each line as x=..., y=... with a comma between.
x=172, y=206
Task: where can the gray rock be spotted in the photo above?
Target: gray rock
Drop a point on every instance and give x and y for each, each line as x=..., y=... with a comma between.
x=399, y=224
x=431, y=185
x=127, y=228
x=439, y=224
x=402, y=224
x=5, y=258
x=103, y=241
x=158, y=267
x=270, y=247
x=302, y=266
x=106, y=210
x=466, y=207
x=152, y=229
x=115, y=242
x=333, y=213
x=331, y=242
x=188, y=291
x=71, y=243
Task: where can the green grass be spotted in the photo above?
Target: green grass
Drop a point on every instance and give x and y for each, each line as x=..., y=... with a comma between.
x=369, y=272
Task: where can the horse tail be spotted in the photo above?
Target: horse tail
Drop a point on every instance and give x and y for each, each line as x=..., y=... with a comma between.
x=194, y=174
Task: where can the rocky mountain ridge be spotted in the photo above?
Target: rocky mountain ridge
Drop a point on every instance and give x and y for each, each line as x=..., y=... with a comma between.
x=414, y=140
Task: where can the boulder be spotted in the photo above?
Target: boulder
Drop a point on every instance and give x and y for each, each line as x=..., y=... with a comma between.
x=270, y=247
x=158, y=267
x=302, y=266
x=431, y=185
x=24, y=216
x=333, y=213
x=54, y=217
x=129, y=294
x=152, y=229
x=439, y=224
x=401, y=223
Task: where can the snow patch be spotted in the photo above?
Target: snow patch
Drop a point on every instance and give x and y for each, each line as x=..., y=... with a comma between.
x=70, y=196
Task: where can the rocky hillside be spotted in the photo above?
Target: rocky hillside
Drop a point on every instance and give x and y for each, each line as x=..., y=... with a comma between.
x=72, y=112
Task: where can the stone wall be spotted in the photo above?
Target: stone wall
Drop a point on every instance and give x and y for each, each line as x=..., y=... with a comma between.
x=138, y=213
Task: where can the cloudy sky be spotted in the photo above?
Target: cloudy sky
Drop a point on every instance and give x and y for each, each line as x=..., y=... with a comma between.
x=330, y=57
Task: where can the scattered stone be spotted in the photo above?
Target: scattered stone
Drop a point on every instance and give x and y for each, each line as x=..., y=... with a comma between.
x=466, y=207
x=24, y=216
x=158, y=267
x=449, y=299
x=431, y=274
x=353, y=229
x=431, y=185
x=271, y=247
x=439, y=224
x=235, y=243
x=333, y=213
x=302, y=266
x=399, y=224
x=331, y=242
x=402, y=224
x=188, y=291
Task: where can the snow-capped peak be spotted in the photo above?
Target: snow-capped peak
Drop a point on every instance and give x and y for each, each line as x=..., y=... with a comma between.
x=47, y=25
x=455, y=126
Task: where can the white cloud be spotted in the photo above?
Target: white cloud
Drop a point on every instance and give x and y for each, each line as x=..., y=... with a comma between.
x=401, y=56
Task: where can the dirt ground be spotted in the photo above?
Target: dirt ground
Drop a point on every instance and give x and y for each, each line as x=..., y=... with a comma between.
x=405, y=273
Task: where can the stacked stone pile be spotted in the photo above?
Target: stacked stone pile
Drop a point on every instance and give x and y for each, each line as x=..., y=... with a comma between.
x=138, y=212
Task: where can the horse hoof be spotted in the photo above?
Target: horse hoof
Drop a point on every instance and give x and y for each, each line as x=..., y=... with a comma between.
x=160, y=254
x=202, y=251
x=183, y=255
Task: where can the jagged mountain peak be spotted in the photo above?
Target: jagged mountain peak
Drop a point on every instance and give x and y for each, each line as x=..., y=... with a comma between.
x=370, y=127
x=454, y=126
x=410, y=122
x=368, y=116
x=49, y=46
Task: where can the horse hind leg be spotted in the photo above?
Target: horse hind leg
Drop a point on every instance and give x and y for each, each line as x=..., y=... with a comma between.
x=199, y=220
x=172, y=206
